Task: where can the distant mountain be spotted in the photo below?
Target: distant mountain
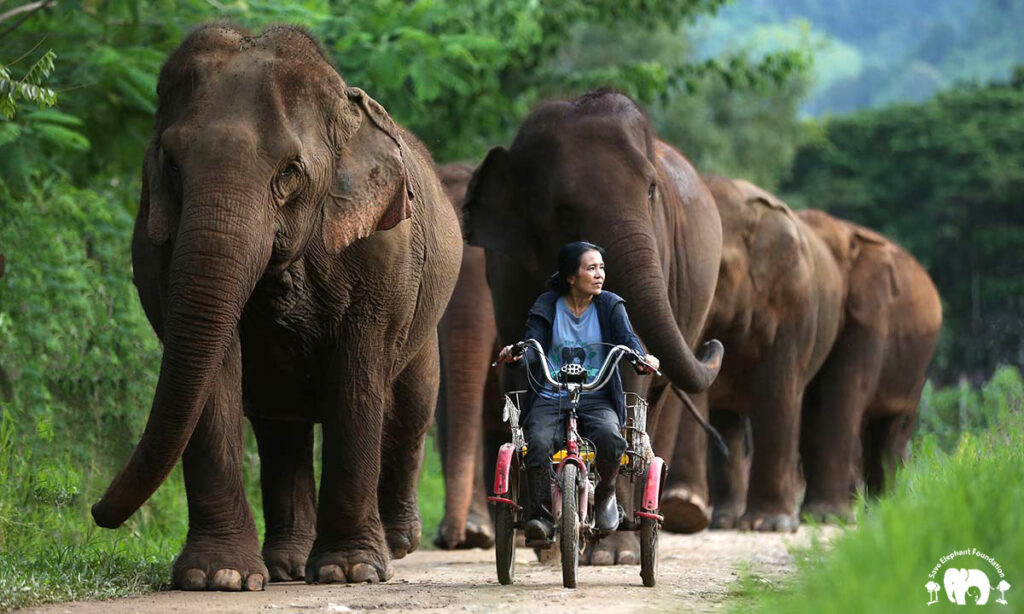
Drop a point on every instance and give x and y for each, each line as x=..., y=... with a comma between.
x=869, y=53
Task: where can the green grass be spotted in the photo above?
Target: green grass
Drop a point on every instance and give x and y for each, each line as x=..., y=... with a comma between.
x=50, y=551
x=971, y=497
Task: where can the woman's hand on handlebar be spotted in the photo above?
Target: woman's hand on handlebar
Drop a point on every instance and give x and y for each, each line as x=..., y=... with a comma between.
x=508, y=354
x=652, y=364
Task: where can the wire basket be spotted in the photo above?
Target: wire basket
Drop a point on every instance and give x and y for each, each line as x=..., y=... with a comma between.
x=638, y=443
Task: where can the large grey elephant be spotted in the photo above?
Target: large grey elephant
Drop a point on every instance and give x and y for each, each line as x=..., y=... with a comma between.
x=861, y=409
x=592, y=168
x=294, y=251
x=470, y=391
x=777, y=309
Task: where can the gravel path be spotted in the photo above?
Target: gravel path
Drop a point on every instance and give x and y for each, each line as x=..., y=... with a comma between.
x=696, y=573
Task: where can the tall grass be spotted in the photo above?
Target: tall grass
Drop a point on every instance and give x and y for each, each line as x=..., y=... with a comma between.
x=971, y=496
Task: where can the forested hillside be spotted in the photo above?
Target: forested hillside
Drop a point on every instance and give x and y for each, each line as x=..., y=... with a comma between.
x=875, y=52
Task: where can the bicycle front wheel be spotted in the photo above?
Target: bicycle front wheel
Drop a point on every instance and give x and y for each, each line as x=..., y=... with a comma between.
x=569, y=535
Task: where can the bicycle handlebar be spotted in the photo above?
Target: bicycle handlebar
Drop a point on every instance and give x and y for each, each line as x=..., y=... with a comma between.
x=614, y=355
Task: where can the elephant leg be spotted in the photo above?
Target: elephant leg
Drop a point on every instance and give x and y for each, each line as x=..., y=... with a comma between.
x=222, y=550
x=350, y=545
x=289, y=495
x=405, y=433
x=775, y=422
x=833, y=413
x=885, y=449
x=728, y=477
x=685, y=502
x=668, y=410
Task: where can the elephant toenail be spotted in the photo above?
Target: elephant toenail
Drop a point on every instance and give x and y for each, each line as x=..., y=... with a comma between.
x=254, y=582
x=330, y=574
x=602, y=557
x=361, y=572
x=627, y=557
x=193, y=580
x=227, y=580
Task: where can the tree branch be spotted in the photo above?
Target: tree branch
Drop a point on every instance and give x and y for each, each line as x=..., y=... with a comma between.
x=26, y=11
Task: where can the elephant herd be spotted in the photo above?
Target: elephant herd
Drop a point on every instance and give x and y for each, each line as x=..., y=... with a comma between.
x=298, y=255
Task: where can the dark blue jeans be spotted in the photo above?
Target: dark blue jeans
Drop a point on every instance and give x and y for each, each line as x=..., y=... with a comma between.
x=596, y=421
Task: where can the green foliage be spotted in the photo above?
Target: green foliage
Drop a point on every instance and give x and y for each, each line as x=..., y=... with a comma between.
x=29, y=87
x=943, y=501
x=943, y=178
x=946, y=414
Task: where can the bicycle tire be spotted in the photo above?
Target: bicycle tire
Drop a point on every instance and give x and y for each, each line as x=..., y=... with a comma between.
x=505, y=533
x=649, y=551
x=569, y=536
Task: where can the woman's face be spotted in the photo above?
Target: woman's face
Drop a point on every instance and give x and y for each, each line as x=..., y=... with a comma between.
x=589, y=278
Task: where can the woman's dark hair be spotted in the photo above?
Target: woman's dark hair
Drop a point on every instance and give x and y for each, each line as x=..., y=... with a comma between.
x=569, y=263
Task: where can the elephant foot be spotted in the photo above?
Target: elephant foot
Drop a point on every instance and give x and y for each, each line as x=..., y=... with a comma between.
x=726, y=517
x=403, y=535
x=619, y=548
x=828, y=513
x=219, y=564
x=476, y=532
x=354, y=565
x=768, y=522
x=684, y=511
x=286, y=557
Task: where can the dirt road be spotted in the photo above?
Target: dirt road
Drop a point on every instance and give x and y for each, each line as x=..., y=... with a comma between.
x=696, y=574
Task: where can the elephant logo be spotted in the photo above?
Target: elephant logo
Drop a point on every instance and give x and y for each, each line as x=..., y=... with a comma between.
x=571, y=355
x=964, y=584
x=961, y=583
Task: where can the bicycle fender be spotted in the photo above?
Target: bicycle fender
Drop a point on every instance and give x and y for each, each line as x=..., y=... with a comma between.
x=656, y=471
x=506, y=454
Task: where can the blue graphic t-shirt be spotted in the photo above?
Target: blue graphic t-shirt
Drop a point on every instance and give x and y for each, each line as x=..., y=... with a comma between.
x=576, y=340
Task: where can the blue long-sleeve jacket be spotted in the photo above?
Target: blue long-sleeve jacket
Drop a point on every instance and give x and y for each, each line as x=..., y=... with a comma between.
x=615, y=328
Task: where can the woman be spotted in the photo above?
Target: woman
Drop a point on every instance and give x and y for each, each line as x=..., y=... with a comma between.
x=572, y=320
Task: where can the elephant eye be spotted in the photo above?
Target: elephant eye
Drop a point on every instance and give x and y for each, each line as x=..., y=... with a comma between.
x=291, y=169
x=651, y=191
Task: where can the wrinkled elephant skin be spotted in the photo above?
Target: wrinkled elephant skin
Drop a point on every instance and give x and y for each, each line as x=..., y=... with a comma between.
x=294, y=251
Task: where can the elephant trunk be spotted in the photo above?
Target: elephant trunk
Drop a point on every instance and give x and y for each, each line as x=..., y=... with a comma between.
x=468, y=335
x=219, y=255
x=636, y=271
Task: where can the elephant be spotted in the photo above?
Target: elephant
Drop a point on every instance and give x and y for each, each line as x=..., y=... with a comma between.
x=470, y=390
x=776, y=309
x=293, y=251
x=592, y=168
x=958, y=582
x=861, y=408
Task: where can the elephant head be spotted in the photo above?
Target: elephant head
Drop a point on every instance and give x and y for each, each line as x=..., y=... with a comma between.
x=261, y=154
x=588, y=169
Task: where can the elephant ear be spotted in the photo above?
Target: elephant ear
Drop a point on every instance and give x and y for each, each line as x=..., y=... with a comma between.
x=370, y=190
x=874, y=282
x=775, y=244
x=155, y=205
x=491, y=219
